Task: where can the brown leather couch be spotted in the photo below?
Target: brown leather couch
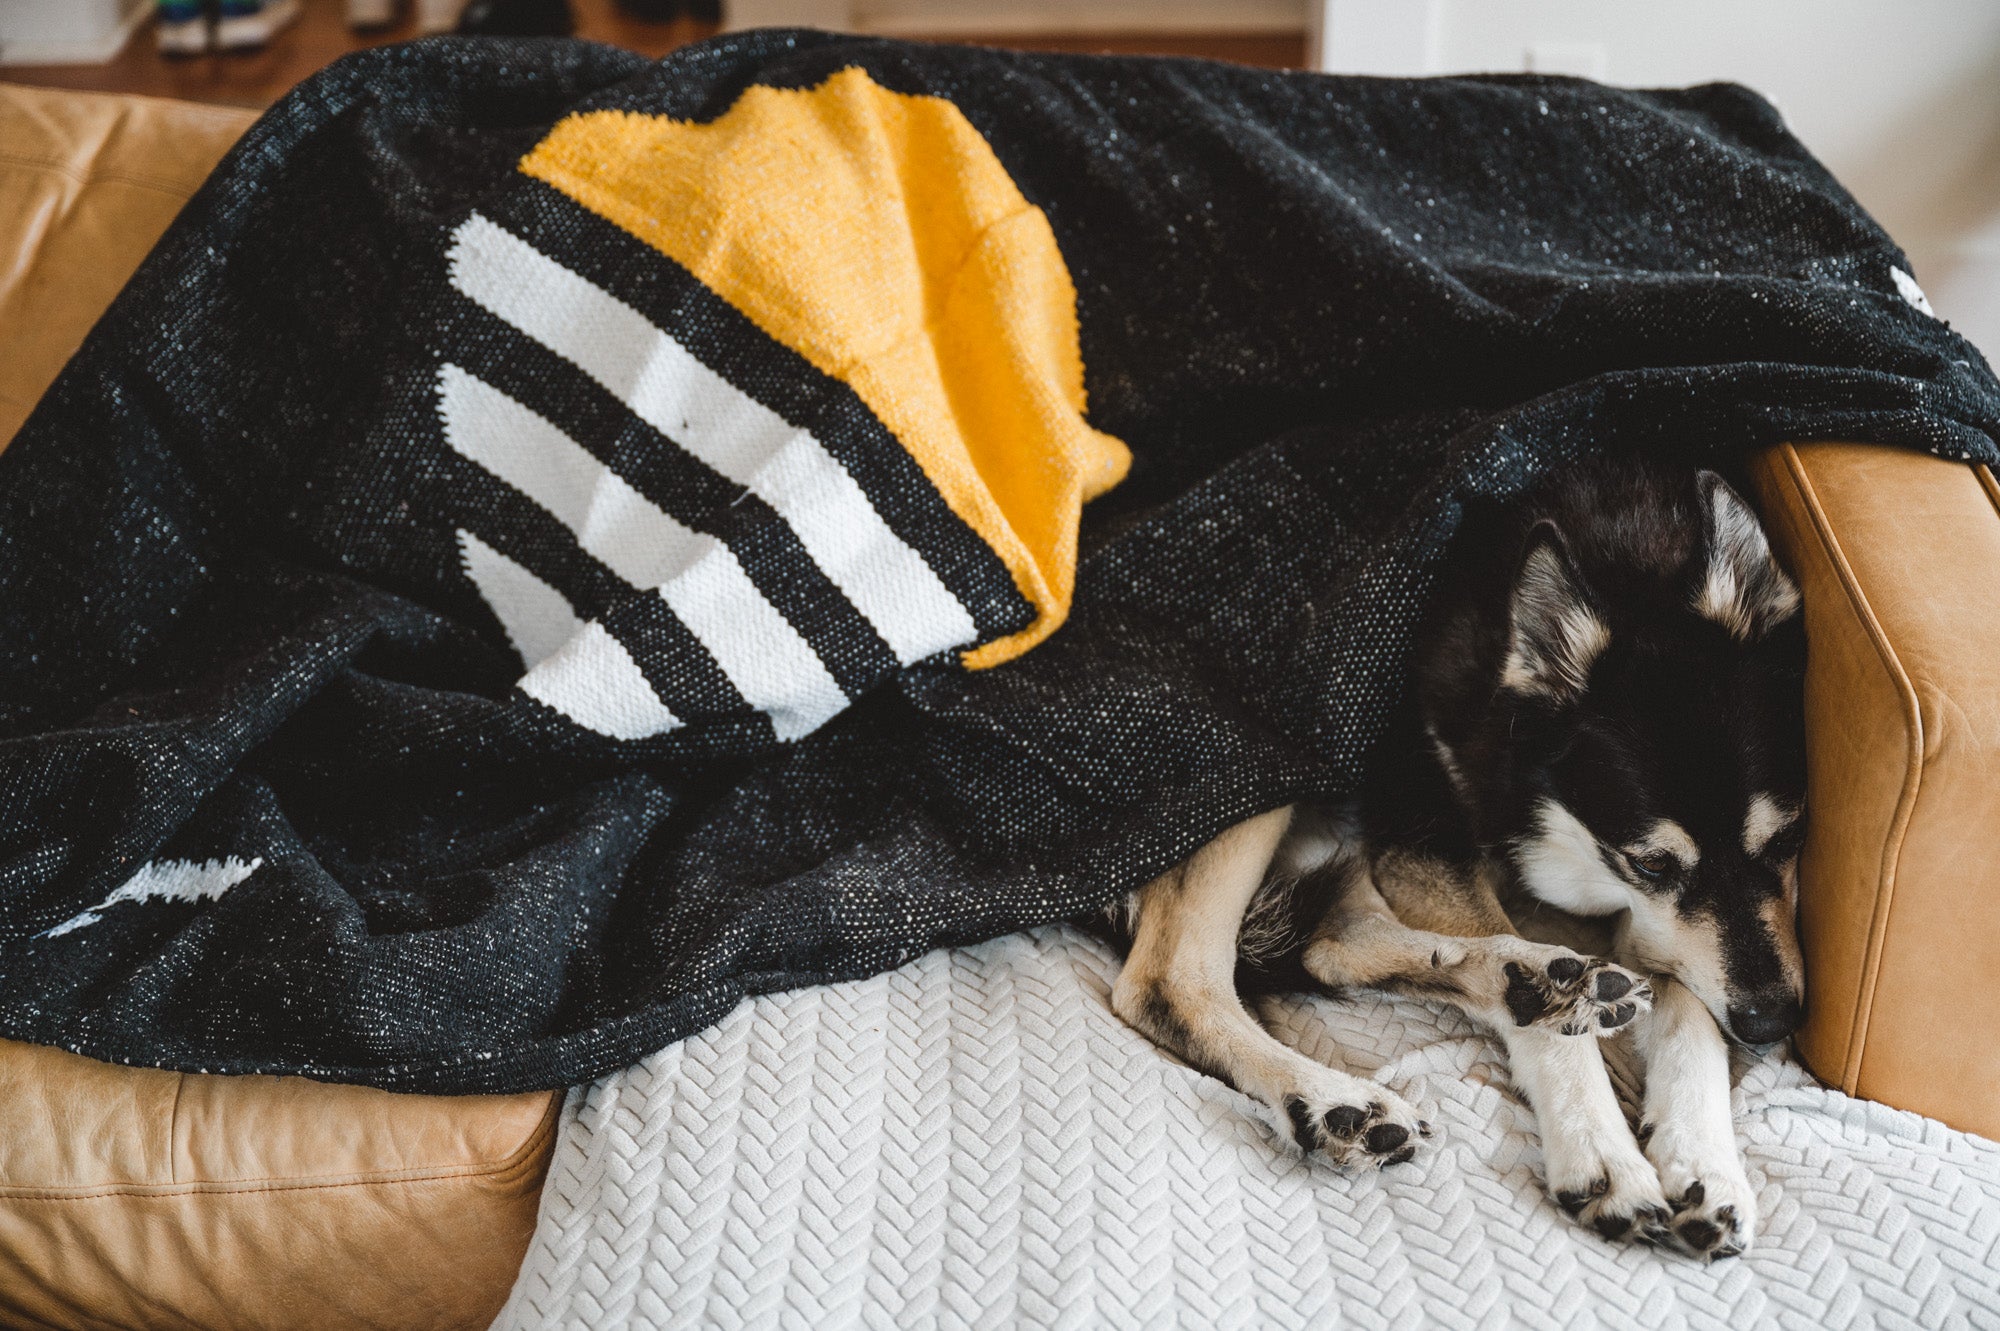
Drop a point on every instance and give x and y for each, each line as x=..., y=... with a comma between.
x=139, y=1198
x=1899, y=906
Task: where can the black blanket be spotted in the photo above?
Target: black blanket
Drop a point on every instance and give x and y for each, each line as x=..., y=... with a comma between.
x=275, y=793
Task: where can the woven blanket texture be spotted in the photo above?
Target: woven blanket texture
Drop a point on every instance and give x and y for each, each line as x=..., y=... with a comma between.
x=552, y=543
x=975, y=1140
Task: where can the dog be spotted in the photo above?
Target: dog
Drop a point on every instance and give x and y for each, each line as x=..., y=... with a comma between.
x=1605, y=722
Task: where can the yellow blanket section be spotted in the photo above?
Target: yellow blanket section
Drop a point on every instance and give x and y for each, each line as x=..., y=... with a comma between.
x=878, y=236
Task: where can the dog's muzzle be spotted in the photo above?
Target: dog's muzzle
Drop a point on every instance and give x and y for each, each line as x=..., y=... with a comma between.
x=1766, y=1020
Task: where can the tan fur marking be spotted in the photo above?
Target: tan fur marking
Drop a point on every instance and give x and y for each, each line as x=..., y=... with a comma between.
x=1425, y=895
x=1447, y=760
x=1555, y=638
x=1765, y=819
x=1740, y=554
x=1669, y=837
x=1777, y=915
x=1665, y=941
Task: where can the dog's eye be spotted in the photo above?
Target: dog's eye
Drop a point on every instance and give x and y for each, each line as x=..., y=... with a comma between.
x=1654, y=865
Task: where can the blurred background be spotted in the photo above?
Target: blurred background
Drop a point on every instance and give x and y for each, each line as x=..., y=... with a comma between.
x=1900, y=97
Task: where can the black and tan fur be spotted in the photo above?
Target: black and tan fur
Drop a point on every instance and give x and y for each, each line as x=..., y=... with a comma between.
x=1604, y=722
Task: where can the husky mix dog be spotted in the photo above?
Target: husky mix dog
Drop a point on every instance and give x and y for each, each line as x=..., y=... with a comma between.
x=1605, y=721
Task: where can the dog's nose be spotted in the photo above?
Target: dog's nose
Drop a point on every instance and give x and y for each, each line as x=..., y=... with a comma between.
x=1765, y=1020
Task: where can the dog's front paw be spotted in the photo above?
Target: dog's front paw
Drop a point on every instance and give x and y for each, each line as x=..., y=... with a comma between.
x=1715, y=1211
x=1614, y=1191
x=1380, y=1129
x=1574, y=995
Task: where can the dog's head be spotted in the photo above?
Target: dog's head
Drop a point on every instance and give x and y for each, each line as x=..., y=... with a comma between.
x=1632, y=738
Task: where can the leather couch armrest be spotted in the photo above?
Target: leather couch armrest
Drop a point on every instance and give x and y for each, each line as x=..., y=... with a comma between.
x=1898, y=556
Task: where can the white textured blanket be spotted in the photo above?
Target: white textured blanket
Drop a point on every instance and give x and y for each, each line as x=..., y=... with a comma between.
x=975, y=1140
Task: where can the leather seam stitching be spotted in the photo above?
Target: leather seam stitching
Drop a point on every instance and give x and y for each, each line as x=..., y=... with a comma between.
x=520, y=1161
x=173, y=1129
x=1912, y=785
x=241, y=1186
x=164, y=184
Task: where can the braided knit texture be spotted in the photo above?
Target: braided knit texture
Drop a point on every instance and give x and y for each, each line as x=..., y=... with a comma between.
x=975, y=1140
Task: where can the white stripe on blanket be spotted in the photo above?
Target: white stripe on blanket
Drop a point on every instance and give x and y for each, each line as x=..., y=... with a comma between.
x=663, y=384
x=535, y=616
x=597, y=685
x=770, y=662
x=166, y=880
x=628, y=533
x=593, y=680
x=975, y=1140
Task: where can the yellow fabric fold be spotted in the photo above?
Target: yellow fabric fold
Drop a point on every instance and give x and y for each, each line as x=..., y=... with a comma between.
x=876, y=234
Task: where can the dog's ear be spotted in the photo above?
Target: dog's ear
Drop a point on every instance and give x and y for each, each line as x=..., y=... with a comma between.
x=1555, y=634
x=1742, y=588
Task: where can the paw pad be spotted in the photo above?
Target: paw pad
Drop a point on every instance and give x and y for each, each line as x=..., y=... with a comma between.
x=1573, y=1201
x=1613, y=1227
x=1385, y=1138
x=1352, y=1134
x=1616, y=1015
x=1573, y=995
x=1345, y=1120
x=1621, y=1209
x=1715, y=1233
x=1698, y=1234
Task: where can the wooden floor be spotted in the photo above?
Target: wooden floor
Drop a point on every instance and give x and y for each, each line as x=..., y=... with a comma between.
x=258, y=78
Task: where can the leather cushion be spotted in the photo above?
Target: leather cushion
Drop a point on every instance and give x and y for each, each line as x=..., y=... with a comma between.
x=140, y=1198
x=1898, y=556
x=87, y=184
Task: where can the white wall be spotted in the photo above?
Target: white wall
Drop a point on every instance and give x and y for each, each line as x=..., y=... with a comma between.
x=1901, y=98
x=37, y=32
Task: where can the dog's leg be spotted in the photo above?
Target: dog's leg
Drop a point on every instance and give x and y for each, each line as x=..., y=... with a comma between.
x=1467, y=954
x=1688, y=1130
x=1594, y=1167
x=1179, y=987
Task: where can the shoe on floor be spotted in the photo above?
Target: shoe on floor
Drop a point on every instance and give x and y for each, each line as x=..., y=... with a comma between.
x=181, y=27
x=242, y=24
